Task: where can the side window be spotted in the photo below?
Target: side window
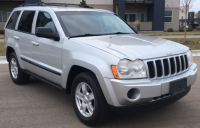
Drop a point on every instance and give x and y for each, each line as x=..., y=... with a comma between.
x=44, y=20
x=1, y=17
x=26, y=21
x=168, y=16
x=8, y=14
x=12, y=21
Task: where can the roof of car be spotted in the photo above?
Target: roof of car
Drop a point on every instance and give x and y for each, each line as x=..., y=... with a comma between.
x=58, y=8
x=62, y=8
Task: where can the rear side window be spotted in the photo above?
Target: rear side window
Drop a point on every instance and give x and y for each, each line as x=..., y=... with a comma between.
x=44, y=20
x=13, y=20
x=26, y=21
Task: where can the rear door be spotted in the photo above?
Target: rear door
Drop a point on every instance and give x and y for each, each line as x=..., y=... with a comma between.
x=47, y=52
x=10, y=31
x=23, y=35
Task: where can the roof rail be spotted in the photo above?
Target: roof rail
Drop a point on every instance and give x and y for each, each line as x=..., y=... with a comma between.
x=55, y=4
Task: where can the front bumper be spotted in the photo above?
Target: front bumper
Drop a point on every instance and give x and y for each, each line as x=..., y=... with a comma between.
x=115, y=90
x=134, y=109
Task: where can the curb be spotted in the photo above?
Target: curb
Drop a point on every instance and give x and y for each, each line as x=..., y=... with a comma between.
x=196, y=52
x=3, y=60
x=2, y=57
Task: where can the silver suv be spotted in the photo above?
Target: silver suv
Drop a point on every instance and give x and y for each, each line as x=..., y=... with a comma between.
x=98, y=58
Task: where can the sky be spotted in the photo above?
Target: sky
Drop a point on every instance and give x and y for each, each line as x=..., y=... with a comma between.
x=196, y=6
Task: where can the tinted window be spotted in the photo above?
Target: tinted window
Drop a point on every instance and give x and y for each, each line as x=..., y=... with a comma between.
x=142, y=17
x=1, y=17
x=12, y=22
x=168, y=19
x=26, y=21
x=168, y=13
x=8, y=14
x=168, y=16
x=130, y=17
x=44, y=20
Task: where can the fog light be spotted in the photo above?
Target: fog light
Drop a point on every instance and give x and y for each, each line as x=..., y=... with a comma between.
x=133, y=94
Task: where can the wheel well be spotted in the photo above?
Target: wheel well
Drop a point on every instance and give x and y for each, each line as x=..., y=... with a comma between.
x=9, y=50
x=74, y=71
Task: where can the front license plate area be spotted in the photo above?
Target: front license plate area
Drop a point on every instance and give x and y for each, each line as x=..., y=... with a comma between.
x=178, y=86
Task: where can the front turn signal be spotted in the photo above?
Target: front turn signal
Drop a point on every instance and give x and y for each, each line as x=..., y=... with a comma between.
x=115, y=73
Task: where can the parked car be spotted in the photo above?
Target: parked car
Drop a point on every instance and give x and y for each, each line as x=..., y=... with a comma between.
x=97, y=57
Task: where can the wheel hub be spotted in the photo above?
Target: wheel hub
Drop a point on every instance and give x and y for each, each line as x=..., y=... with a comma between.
x=14, y=68
x=85, y=99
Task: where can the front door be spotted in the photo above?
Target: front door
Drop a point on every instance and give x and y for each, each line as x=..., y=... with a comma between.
x=47, y=52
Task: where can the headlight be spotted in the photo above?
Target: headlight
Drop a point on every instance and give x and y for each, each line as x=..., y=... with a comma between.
x=190, y=58
x=127, y=69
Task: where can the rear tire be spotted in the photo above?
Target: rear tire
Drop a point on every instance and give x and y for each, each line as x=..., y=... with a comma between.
x=95, y=101
x=16, y=73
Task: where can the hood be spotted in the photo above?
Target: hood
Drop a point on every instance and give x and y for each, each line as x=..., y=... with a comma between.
x=134, y=46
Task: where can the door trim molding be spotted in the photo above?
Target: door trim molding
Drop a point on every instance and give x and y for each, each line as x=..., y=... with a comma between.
x=40, y=66
x=43, y=79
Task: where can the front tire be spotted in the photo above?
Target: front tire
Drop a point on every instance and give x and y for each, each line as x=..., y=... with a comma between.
x=88, y=100
x=16, y=73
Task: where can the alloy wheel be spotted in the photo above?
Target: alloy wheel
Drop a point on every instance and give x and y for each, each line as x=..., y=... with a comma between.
x=85, y=99
x=14, y=68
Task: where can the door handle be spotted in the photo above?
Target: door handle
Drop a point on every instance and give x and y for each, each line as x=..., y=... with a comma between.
x=17, y=38
x=34, y=43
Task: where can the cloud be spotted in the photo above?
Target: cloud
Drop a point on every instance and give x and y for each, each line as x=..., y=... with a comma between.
x=196, y=6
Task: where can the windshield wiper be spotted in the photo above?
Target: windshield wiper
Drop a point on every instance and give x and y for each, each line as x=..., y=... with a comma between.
x=88, y=34
x=84, y=35
x=121, y=33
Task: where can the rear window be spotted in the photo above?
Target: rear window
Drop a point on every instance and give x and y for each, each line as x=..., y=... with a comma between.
x=13, y=20
x=26, y=21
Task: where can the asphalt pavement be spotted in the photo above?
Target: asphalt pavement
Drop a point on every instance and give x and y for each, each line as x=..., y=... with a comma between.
x=38, y=105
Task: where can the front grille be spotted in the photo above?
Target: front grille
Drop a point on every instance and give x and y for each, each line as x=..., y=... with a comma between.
x=164, y=67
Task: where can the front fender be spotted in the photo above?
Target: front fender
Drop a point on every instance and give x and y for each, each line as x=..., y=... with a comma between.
x=93, y=59
x=100, y=67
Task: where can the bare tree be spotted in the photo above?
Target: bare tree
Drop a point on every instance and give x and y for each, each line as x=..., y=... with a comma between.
x=187, y=4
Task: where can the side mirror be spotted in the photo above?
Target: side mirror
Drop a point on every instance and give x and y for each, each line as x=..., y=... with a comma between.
x=135, y=28
x=47, y=33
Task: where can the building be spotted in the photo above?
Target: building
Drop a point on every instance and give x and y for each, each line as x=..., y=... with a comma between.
x=196, y=16
x=154, y=15
x=6, y=7
x=182, y=16
x=193, y=19
x=199, y=18
x=182, y=13
x=172, y=9
x=199, y=14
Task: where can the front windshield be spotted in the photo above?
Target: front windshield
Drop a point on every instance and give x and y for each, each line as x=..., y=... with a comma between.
x=92, y=23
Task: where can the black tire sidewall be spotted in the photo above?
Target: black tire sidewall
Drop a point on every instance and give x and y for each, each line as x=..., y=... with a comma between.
x=22, y=77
